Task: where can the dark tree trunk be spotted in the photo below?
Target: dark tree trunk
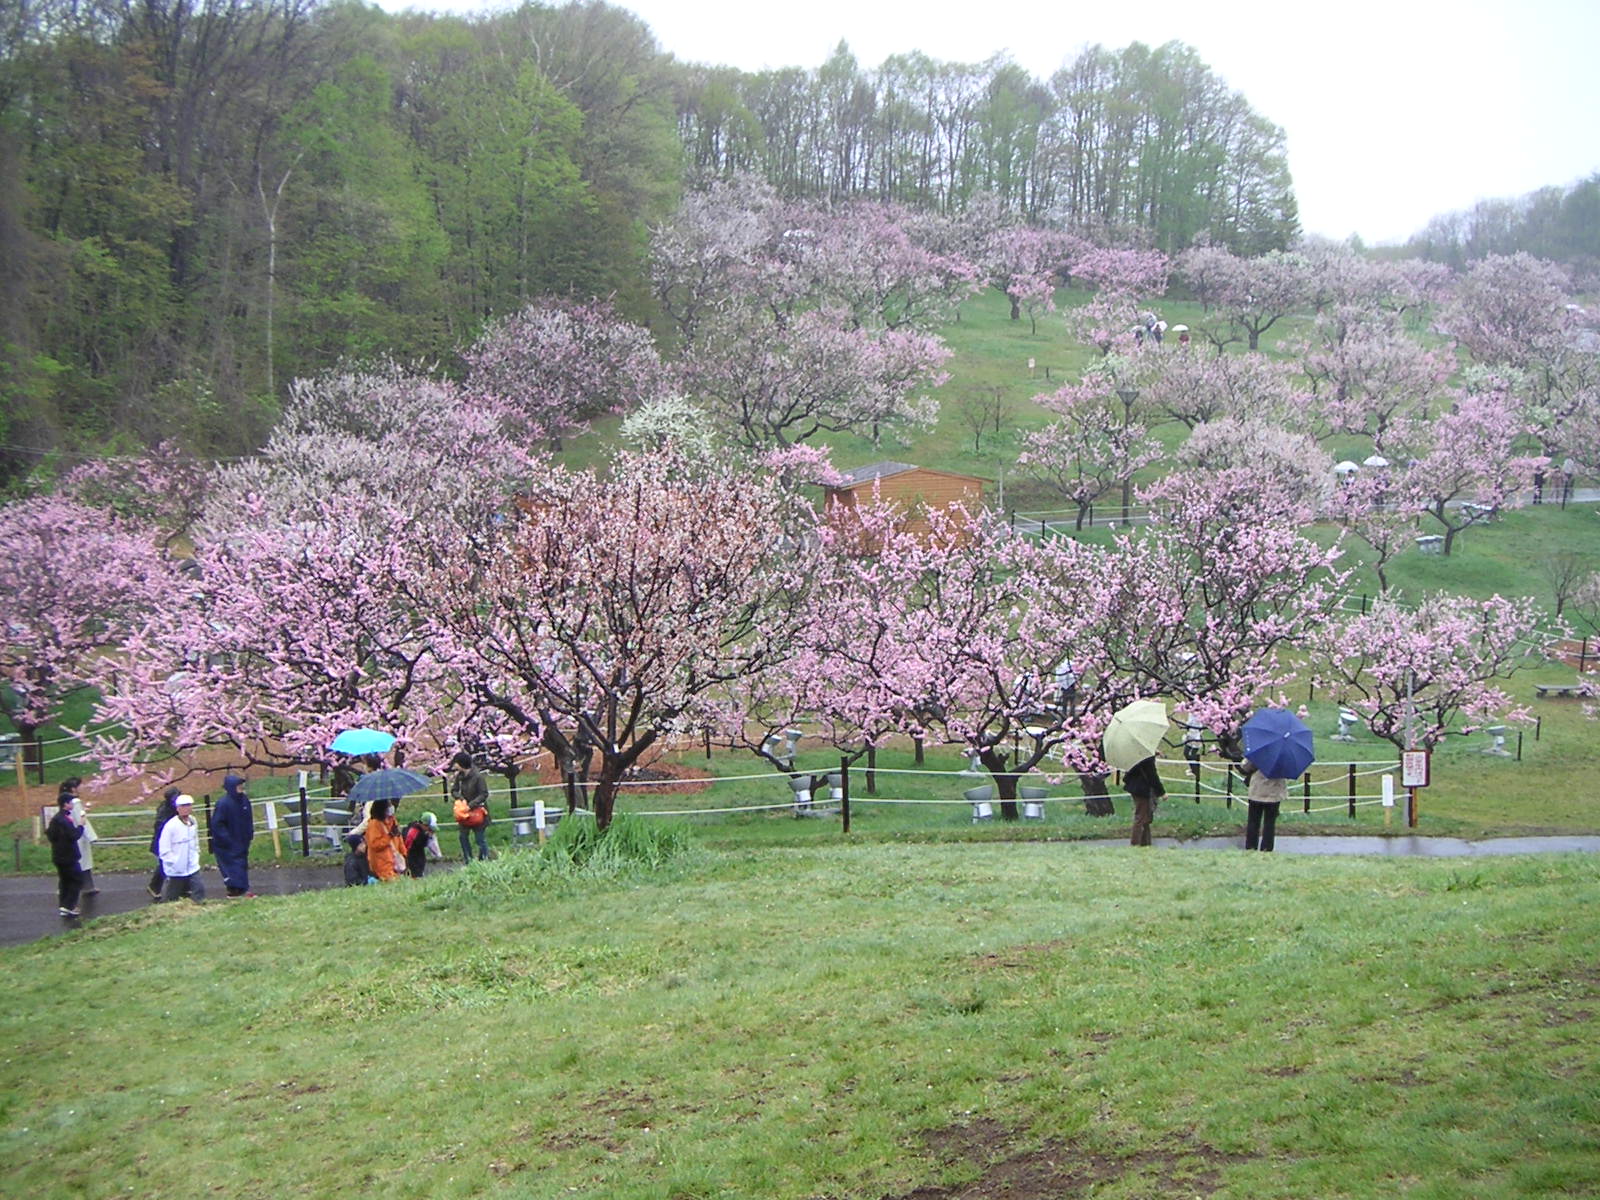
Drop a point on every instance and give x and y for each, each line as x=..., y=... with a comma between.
x=1096, y=800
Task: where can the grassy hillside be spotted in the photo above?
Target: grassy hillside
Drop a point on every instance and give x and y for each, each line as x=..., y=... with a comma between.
x=956, y=1021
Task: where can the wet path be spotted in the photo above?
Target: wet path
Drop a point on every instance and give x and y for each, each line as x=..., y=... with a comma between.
x=28, y=908
x=28, y=902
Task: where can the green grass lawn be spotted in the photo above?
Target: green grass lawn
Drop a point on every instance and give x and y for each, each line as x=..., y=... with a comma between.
x=835, y=1020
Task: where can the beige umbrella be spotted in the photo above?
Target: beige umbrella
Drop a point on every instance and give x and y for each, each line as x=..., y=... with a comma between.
x=1134, y=733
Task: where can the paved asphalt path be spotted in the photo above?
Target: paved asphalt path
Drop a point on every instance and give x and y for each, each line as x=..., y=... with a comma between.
x=28, y=908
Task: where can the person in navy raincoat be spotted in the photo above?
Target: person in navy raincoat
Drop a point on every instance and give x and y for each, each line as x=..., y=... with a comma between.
x=232, y=828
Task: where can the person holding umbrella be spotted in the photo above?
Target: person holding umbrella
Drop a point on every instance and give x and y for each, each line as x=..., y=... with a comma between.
x=386, y=858
x=1277, y=748
x=1143, y=784
x=1132, y=737
x=1263, y=796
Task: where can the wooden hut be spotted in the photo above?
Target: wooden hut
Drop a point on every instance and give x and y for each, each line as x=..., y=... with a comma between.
x=915, y=490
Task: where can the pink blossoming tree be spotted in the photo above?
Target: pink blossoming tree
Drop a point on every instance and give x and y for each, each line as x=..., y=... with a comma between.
x=1416, y=673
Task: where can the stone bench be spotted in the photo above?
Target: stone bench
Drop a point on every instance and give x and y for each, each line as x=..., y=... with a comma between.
x=1550, y=691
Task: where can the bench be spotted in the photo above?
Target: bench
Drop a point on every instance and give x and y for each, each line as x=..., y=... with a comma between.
x=1550, y=691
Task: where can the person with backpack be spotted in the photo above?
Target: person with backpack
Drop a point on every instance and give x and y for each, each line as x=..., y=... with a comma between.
x=64, y=833
x=422, y=843
x=470, y=791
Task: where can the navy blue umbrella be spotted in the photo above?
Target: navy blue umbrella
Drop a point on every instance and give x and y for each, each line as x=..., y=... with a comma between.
x=1279, y=743
x=391, y=783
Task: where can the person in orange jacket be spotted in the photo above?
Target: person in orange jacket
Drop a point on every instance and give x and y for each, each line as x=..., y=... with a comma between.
x=385, y=855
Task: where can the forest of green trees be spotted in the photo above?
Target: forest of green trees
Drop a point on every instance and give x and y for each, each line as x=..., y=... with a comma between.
x=1561, y=224
x=203, y=199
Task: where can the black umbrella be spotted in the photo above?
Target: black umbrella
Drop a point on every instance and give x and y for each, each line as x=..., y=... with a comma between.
x=391, y=783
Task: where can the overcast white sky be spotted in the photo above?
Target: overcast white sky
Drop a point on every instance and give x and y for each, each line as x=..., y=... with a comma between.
x=1395, y=111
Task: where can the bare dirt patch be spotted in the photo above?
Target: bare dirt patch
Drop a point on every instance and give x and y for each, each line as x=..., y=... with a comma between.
x=1056, y=1169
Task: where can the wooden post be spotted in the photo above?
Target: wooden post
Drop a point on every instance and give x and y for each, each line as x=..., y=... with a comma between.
x=22, y=777
x=1352, y=770
x=1411, y=807
x=844, y=792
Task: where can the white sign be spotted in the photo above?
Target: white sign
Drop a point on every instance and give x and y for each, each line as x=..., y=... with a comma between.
x=272, y=816
x=538, y=815
x=1414, y=768
x=1388, y=791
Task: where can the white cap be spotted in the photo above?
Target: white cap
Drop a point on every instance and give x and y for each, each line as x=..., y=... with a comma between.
x=180, y=800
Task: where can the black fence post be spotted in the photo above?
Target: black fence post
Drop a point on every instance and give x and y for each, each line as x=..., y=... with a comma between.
x=1519, y=745
x=1352, y=778
x=917, y=742
x=305, y=825
x=872, y=772
x=1538, y=725
x=844, y=792
x=1305, y=804
x=1230, y=785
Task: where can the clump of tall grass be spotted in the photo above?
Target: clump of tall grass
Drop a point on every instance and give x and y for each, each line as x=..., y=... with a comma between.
x=577, y=853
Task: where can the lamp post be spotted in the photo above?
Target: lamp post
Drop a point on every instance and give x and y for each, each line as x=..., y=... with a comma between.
x=1127, y=395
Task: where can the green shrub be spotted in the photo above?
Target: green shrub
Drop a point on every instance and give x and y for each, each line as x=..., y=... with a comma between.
x=576, y=853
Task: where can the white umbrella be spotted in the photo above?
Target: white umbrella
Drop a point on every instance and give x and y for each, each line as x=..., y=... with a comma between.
x=1375, y=460
x=1180, y=329
x=1345, y=467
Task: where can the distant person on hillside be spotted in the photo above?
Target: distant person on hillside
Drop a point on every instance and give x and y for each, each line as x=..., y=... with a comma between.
x=165, y=811
x=1143, y=784
x=233, y=828
x=180, y=852
x=64, y=833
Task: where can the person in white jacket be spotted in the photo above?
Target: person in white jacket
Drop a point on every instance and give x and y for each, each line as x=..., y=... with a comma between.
x=179, y=849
